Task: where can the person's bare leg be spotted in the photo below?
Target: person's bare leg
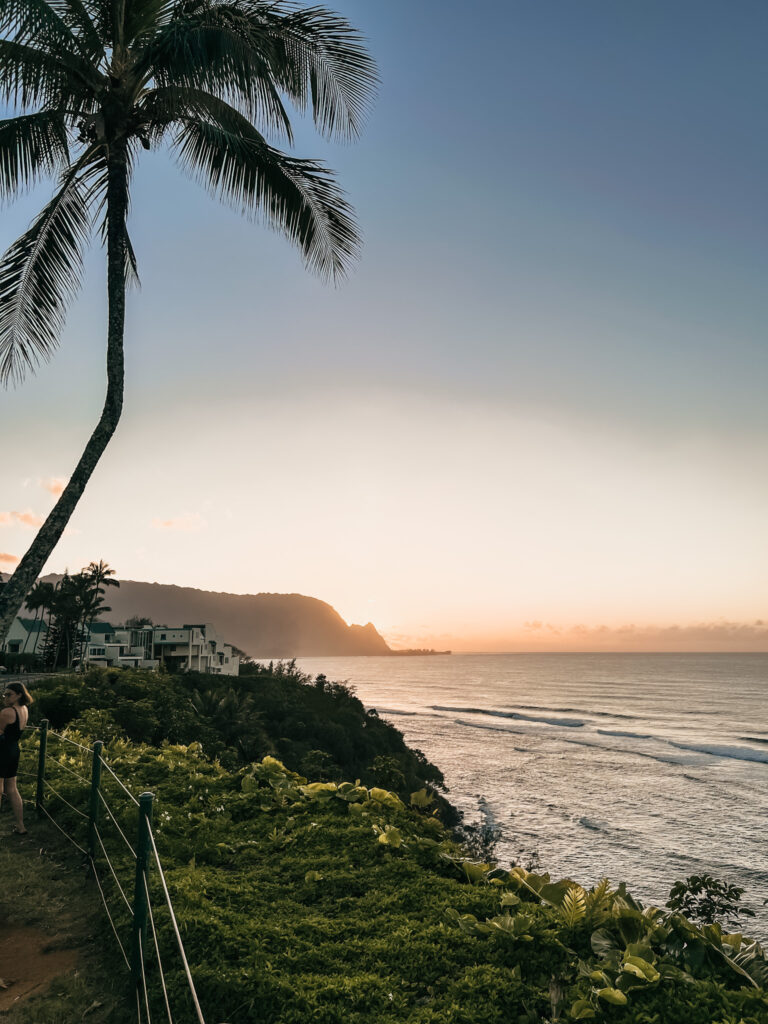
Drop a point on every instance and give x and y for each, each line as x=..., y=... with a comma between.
x=16, y=803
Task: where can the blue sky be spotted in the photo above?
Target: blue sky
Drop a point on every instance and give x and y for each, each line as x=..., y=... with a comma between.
x=539, y=397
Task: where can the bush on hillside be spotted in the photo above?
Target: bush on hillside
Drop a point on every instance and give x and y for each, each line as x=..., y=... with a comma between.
x=314, y=726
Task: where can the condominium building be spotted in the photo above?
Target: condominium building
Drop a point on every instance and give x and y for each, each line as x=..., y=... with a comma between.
x=188, y=648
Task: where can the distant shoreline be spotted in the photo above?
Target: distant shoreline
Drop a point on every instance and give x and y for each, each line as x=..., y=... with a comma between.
x=416, y=652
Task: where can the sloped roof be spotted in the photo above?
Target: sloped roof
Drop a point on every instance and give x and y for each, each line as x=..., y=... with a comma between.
x=32, y=625
x=102, y=627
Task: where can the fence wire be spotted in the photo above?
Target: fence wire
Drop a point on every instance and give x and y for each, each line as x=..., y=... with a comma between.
x=64, y=800
x=114, y=873
x=187, y=971
x=157, y=953
x=65, y=834
x=106, y=907
x=120, y=782
x=111, y=817
x=142, y=987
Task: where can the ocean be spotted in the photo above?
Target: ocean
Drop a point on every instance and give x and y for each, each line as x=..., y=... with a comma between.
x=646, y=768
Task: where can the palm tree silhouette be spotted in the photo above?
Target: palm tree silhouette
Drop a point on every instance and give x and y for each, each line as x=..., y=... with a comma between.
x=97, y=80
x=37, y=601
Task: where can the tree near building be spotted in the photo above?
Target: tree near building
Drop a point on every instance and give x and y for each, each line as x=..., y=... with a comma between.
x=94, y=84
x=76, y=602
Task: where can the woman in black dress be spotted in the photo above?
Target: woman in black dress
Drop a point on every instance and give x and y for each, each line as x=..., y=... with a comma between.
x=13, y=718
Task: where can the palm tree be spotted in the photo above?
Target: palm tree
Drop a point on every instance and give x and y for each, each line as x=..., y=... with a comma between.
x=93, y=82
x=97, y=576
x=36, y=601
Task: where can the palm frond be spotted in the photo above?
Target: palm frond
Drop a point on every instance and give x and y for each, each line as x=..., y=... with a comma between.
x=131, y=270
x=39, y=275
x=76, y=15
x=32, y=77
x=30, y=146
x=320, y=61
x=37, y=22
x=217, y=51
x=147, y=16
x=298, y=197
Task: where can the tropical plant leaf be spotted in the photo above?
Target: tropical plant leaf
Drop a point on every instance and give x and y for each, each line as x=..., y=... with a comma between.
x=39, y=275
x=217, y=53
x=613, y=996
x=31, y=146
x=75, y=14
x=298, y=197
x=38, y=22
x=574, y=906
x=34, y=76
x=320, y=61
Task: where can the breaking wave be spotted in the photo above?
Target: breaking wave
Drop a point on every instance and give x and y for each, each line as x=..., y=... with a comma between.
x=723, y=750
x=570, y=723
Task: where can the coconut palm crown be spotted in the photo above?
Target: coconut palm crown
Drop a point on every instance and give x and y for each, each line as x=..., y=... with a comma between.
x=92, y=83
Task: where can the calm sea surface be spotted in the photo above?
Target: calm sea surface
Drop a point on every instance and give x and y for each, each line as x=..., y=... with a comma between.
x=644, y=768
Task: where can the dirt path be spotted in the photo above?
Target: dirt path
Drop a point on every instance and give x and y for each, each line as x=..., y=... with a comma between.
x=53, y=967
x=29, y=961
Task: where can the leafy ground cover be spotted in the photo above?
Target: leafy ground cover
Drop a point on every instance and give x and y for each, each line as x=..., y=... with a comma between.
x=336, y=902
x=314, y=726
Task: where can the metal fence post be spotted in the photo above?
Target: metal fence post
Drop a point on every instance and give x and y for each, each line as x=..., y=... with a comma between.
x=93, y=807
x=139, y=937
x=39, y=796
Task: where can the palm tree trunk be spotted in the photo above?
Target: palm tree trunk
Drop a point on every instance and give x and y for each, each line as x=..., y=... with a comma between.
x=31, y=565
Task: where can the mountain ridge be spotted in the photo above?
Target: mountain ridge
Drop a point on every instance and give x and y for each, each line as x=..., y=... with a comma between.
x=264, y=625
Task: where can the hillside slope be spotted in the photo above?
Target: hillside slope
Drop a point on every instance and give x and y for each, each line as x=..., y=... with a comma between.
x=263, y=625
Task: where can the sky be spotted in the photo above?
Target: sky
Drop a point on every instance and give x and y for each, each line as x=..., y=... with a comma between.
x=533, y=417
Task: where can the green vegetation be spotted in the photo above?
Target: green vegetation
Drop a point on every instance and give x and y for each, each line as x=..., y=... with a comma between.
x=336, y=901
x=708, y=900
x=315, y=727
x=72, y=606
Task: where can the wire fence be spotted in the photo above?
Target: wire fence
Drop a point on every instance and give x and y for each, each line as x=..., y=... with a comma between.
x=97, y=820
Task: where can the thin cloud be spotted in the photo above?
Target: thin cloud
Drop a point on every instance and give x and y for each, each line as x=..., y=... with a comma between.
x=190, y=522
x=54, y=484
x=23, y=518
x=28, y=519
x=6, y=559
x=720, y=635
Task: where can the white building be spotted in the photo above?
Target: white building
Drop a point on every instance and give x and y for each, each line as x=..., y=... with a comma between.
x=188, y=648
x=192, y=648
x=26, y=636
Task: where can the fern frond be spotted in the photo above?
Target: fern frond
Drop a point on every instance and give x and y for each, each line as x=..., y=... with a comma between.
x=574, y=906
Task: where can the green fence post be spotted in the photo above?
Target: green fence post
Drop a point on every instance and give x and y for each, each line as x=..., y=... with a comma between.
x=140, y=893
x=93, y=807
x=41, y=767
